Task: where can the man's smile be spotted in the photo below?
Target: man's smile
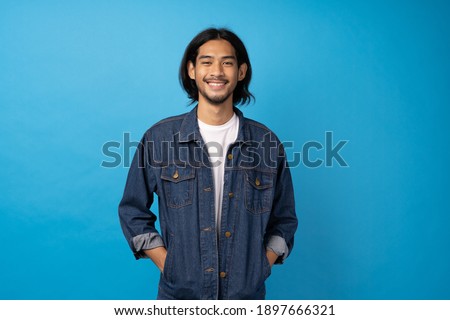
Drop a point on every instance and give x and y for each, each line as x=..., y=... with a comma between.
x=216, y=84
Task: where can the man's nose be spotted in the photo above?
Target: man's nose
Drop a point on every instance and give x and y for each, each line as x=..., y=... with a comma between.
x=217, y=69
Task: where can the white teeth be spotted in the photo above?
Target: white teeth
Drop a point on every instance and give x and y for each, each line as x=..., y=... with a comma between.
x=215, y=84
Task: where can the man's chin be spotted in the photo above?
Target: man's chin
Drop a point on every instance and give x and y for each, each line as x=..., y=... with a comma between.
x=217, y=101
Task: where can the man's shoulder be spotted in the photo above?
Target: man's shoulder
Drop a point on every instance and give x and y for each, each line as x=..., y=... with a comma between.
x=256, y=125
x=169, y=121
x=168, y=125
x=258, y=129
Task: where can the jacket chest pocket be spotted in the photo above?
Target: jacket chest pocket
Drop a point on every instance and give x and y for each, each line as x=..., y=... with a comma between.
x=178, y=184
x=258, y=191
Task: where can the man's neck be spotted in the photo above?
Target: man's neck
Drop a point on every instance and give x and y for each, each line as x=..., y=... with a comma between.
x=215, y=114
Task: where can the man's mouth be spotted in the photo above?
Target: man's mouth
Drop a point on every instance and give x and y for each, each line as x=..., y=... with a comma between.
x=216, y=84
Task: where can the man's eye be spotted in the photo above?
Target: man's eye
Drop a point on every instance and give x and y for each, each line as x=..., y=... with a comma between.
x=228, y=63
x=206, y=63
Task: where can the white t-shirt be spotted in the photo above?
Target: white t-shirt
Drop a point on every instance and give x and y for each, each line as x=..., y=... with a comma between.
x=218, y=139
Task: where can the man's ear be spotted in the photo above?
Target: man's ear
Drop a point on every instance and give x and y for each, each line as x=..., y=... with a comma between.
x=242, y=71
x=191, y=70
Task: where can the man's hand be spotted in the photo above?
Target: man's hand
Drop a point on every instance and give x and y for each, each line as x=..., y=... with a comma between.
x=271, y=256
x=158, y=256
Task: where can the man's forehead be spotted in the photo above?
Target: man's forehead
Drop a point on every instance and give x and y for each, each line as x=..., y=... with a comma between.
x=216, y=48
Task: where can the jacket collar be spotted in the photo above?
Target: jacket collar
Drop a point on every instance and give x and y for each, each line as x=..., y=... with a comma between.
x=189, y=130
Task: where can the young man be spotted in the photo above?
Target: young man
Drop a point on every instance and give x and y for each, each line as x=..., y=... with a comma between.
x=225, y=195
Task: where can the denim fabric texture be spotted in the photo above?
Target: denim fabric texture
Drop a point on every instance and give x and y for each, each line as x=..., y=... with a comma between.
x=258, y=206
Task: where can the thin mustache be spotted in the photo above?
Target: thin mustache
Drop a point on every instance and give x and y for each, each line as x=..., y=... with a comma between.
x=216, y=79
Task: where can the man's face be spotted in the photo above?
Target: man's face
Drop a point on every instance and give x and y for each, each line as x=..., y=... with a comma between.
x=216, y=72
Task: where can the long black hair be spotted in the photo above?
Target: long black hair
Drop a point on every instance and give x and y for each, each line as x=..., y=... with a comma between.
x=241, y=94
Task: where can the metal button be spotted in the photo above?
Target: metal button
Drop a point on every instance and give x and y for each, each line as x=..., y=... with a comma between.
x=230, y=156
x=228, y=234
x=230, y=194
x=223, y=274
x=175, y=175
x=257, y=182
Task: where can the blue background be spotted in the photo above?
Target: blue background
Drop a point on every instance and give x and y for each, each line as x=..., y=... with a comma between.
x=77, y=74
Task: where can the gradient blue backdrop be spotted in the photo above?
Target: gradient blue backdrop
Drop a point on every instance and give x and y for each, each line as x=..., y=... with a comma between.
x=76, y=74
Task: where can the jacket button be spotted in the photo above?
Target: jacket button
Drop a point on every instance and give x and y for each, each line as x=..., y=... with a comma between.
x=230, y=156
x=228, y=234
x=175, y=175
x=223, y=274
x=257, y=182
x=231, y=194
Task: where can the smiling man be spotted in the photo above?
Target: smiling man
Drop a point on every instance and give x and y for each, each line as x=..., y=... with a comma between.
x=225, y=194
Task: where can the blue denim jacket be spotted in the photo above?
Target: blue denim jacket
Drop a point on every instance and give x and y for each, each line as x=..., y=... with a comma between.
x=258, y=210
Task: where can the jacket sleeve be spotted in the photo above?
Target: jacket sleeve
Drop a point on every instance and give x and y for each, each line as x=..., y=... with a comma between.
x=136, y=218
x=283, y=222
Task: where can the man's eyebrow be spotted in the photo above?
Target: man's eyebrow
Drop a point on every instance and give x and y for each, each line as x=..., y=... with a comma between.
x=229, y=57
x=210, y=57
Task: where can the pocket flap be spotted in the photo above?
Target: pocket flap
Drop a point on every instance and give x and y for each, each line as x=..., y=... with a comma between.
x=177, y=174
x=259, y=179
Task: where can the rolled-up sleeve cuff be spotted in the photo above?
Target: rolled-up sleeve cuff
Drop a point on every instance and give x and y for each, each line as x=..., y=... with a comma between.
x=146, y=241
x=278, y=245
